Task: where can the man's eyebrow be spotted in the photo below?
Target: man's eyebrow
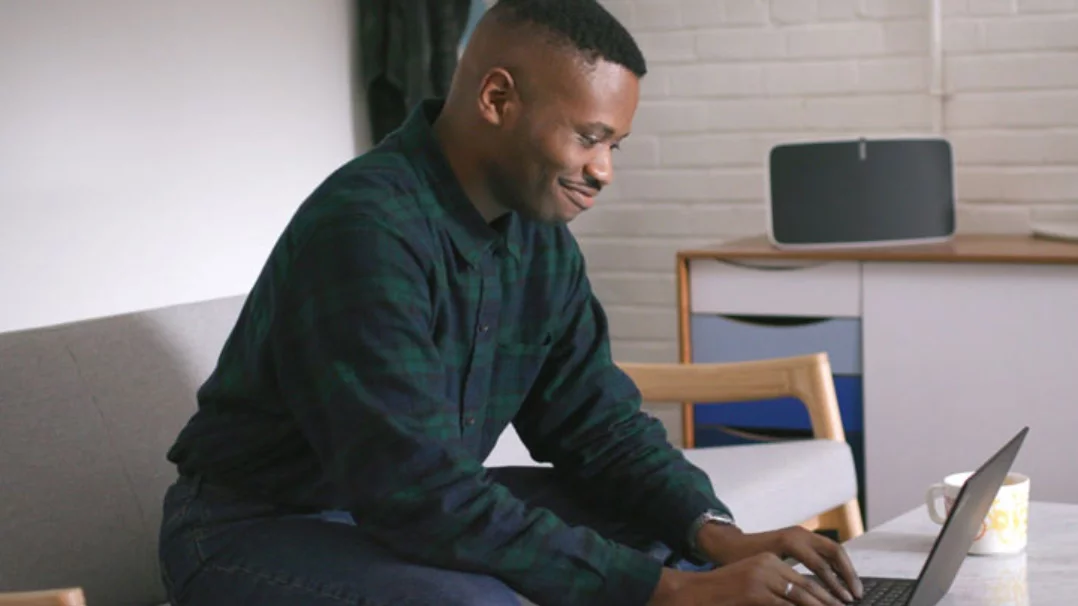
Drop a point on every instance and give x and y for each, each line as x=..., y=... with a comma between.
x=605, y=129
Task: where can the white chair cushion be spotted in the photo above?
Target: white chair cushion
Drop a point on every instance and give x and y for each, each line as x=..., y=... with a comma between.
x=767, y=486
x=509, y=451
x=778, y=484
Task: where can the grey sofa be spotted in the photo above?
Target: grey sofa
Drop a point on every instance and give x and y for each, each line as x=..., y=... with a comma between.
x=88, y=409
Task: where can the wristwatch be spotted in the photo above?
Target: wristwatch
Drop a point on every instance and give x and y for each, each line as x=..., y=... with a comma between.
x=711, y=516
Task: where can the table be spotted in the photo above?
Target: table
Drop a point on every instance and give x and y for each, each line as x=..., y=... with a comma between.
x=940, y=352
x=1045, y=574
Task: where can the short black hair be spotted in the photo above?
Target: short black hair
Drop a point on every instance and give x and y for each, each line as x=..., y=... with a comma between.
x=584, y=25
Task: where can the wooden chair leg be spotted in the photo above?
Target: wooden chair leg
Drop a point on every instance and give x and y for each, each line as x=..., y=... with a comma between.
x=845, y=520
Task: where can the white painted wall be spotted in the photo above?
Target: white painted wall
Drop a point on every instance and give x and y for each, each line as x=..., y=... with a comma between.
x=731, y=77
x=151, y=152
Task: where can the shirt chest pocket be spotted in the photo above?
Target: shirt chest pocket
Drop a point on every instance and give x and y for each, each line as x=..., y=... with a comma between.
x=521, y=353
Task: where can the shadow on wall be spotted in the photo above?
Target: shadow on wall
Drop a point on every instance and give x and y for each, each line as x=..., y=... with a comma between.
x=87, y=413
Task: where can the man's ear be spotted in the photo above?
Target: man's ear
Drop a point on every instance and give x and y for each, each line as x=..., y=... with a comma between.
x=498, y=96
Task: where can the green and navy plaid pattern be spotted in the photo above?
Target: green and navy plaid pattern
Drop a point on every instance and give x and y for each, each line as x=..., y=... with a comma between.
x=389, y=340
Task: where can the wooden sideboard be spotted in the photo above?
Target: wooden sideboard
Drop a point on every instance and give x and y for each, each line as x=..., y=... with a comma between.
x=940, y=352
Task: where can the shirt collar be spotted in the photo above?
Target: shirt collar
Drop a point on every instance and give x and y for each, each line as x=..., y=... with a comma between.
x=470, y=233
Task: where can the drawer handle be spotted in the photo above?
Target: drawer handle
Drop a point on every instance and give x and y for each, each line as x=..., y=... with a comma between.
x=772, y=266
x=776, y=320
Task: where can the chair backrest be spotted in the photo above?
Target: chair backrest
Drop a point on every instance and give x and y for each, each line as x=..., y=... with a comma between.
x=87, y=412
x=807, y=378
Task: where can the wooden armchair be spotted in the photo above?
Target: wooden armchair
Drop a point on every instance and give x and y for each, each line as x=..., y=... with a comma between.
x=807, y=378
x=55, y=597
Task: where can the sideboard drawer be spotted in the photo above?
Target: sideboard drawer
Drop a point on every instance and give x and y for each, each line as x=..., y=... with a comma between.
x=717, y=338
x=818, y=289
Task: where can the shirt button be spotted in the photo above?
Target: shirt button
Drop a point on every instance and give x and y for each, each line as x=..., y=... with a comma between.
x=469, y=421
x=484, y=328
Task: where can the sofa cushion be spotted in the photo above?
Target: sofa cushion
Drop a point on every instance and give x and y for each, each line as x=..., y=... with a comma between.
x=87, y=412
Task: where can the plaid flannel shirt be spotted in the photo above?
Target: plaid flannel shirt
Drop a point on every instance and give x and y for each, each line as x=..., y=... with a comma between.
x=389, y=340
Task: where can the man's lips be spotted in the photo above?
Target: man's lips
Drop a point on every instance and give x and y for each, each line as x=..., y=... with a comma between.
x=581, y=195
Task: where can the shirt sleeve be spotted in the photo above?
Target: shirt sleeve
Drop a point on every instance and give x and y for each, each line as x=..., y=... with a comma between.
x=358, y=367
x=583, y=416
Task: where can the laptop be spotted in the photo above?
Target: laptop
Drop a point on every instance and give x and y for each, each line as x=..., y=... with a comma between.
x=954, y=540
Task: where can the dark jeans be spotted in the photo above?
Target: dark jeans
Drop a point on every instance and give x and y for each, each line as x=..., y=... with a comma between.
x=220, y=550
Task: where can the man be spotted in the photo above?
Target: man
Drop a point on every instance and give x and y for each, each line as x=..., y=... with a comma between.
x=425, y=296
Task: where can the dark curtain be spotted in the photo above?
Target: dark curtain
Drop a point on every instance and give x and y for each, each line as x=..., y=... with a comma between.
x=408, y=51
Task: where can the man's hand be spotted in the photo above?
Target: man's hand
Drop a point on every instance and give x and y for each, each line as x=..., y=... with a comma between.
x=759, y=580
x=827, y=559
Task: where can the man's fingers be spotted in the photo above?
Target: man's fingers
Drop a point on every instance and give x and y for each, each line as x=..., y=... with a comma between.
x=829, y=583
x=842, y=565
x=795, y=588
x=836, y=561
x=798, y=590
x=817, y=554
x=822, y=594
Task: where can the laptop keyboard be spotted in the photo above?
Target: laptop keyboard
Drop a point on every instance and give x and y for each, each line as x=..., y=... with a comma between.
x=886, y=592
x=882, y=592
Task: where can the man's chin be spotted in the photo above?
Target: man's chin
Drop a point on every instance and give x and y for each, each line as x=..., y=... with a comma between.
x=549, y=215
x=550, y=219
x=560, y=218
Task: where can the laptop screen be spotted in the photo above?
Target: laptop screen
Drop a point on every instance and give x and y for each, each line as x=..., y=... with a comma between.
x=963, y=524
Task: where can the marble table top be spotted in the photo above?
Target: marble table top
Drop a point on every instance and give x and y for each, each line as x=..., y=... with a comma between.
x=1046, y=573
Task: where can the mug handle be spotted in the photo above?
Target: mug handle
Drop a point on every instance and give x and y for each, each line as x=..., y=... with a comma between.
x=934, y=494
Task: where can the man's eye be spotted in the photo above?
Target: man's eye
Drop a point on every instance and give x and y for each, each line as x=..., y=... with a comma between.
x=615, y=146
x=589, y=141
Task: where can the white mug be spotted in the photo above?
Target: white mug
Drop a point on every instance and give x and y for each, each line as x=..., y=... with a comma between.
x=1006, y=527
x=1002, y=581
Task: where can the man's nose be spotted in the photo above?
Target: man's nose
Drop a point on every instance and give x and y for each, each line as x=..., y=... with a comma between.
x=601, y=167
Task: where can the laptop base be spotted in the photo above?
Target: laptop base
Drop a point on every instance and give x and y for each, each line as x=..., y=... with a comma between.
x=882, y=591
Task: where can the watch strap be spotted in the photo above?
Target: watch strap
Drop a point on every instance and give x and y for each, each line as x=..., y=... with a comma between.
x=711, y=516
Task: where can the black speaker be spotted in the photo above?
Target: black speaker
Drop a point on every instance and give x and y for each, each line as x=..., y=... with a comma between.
x=860, y=192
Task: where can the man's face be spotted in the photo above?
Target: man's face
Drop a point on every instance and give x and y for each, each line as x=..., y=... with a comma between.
x=559, y=145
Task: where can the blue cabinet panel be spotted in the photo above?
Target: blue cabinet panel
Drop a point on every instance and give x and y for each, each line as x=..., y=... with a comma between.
x=784, y=413
x=717, y=338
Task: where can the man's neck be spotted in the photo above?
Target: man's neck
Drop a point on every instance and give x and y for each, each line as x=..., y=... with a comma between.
x=465, y=159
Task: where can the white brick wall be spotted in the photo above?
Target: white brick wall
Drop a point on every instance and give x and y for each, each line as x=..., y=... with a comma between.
x=729, y=78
